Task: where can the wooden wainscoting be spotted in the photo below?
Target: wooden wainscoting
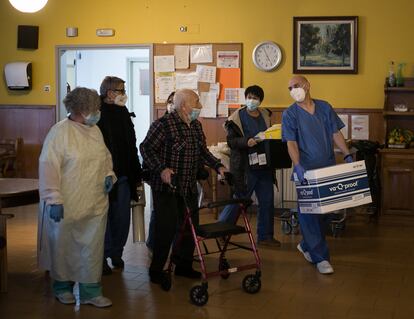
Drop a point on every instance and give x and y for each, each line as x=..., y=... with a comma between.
x=32, y=123
x=214, y=131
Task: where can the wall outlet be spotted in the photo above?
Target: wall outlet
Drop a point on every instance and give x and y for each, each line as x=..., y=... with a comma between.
x=46, y=88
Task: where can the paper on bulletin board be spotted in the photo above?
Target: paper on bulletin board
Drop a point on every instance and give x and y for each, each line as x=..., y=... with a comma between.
x=228, y=79
x=186, y=80
x=215, y=88
x=206, y=73
x=234, y=96
x=164, y=85
x=201, y=53
x=209, y=102
x=222, y=109
x=344, y=130
x=164, y=63
x=182, y=55
x=360, y=127
x=228, y=59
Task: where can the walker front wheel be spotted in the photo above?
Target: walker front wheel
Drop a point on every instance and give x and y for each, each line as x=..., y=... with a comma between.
x=251, y=284
x=199, y=295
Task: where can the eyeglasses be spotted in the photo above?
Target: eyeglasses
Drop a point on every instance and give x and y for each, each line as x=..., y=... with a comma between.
x=123, y=91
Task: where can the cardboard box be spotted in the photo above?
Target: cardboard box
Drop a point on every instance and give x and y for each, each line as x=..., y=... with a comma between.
x=334, y=187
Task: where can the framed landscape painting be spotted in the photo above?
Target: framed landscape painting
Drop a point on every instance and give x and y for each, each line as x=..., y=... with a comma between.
x=325, y=45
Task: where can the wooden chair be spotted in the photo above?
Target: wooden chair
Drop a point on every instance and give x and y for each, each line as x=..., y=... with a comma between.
x=11, y=157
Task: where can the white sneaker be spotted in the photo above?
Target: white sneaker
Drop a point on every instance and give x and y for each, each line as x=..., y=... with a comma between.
x=305, y=254
x=100, y=302
x=324, y=267
x=66, y=298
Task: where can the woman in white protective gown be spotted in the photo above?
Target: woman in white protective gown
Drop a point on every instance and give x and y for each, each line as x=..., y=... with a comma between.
x=75, y=176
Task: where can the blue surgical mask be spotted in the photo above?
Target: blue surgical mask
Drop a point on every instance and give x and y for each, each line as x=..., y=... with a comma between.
x=252, y=104
x=92, y=118
x=194, y=114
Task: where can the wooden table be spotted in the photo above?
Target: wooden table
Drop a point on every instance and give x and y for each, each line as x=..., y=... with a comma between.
x=13, y=192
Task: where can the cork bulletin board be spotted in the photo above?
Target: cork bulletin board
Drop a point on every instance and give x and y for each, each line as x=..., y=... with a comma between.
x=228, y=77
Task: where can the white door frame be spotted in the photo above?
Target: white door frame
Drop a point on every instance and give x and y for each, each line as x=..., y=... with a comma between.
x=130, y=80
x=61, y=49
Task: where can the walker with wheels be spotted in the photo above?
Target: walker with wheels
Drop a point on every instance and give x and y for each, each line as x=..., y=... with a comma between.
x=222, y=233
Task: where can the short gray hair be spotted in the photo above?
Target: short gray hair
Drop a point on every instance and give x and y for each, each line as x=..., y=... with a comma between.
x=181, y=97
x=82, y=100
x=109, y=83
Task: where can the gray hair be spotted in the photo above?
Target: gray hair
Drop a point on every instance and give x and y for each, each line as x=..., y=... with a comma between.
x=109, y=83
x=82, y=100
x=181, y=96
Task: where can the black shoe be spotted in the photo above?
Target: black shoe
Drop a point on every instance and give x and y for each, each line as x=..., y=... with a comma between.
x=106, y=270
x=187, y=272
x=117, y=262
x=158, y=277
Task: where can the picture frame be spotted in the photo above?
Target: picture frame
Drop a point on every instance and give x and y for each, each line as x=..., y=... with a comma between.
x=325, y=45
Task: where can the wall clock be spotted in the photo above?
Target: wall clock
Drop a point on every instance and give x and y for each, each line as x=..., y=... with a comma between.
x=267, y=56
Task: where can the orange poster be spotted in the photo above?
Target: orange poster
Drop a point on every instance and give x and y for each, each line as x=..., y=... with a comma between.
x=228, y=79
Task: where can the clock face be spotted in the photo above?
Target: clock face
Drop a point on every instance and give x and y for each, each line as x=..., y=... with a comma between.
x=267, y=56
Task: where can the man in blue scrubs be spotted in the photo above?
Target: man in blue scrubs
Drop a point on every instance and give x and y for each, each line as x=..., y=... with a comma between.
x=311, y=127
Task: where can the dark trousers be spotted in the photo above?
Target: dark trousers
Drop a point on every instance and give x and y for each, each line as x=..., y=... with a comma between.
x=169, y=212
x=119, y=219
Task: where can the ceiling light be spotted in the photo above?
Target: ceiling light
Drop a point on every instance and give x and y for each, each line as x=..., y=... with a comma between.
x=28, y=6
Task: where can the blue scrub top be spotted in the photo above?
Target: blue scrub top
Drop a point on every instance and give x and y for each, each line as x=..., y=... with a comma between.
x=312, y=132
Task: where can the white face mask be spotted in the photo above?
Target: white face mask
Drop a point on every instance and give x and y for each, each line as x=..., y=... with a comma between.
x=121, y=100
x=298, y=94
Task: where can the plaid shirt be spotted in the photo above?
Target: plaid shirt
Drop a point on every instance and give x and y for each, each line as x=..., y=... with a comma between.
x=171, y=143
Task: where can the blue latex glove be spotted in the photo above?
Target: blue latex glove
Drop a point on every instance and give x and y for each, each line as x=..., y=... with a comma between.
x=56, y=212
x=108, y=184
x=300, y=172
x=348, y=158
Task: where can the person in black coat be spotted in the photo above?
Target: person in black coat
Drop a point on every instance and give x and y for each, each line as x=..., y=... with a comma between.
x=242, y=127
x=119, y=136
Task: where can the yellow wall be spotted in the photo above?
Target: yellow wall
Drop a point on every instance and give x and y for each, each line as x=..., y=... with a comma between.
x=385, y=33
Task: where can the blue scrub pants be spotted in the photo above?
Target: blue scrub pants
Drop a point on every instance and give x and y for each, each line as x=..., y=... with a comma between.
x=313, y=228
x=119, y=219
x=86, y=291
x=260, y=182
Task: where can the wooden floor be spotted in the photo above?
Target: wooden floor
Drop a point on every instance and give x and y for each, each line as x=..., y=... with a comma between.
x=374, y=278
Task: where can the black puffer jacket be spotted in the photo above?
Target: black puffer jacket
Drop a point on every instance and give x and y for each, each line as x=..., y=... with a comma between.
x=239, y=148
x=119, y=136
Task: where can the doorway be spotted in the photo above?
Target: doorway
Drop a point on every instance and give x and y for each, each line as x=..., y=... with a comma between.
x=87, y=66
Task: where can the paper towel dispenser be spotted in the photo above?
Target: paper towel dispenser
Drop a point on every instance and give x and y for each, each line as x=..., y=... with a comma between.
x=18, y=75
